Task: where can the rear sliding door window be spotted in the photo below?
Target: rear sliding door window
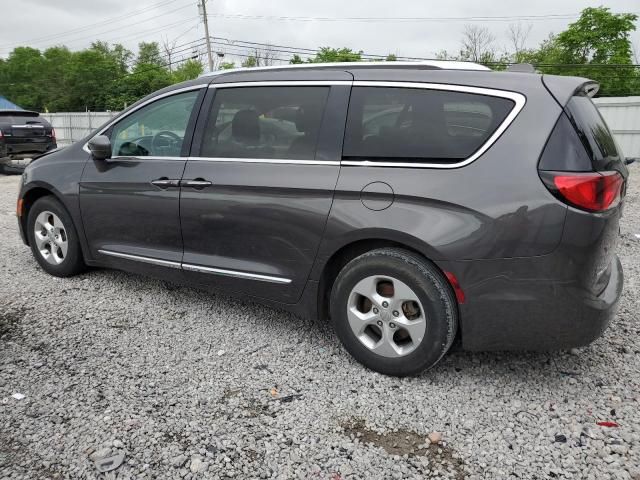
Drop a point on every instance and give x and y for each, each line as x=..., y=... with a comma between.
x=265, y=122
x=418, y=125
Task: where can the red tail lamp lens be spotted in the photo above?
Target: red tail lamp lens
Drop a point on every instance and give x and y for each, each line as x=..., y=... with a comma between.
x=595, y=192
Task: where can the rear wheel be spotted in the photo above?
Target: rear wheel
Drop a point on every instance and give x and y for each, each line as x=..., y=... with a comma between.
x=53, y=238
x=394, y=311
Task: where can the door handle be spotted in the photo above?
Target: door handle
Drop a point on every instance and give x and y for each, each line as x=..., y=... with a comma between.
x=165, y=182
x=197, y=183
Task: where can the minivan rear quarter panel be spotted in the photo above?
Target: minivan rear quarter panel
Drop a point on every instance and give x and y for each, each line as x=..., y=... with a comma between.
x=490, y=208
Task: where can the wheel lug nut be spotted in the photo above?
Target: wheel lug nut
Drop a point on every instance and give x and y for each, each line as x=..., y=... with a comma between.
x=379, y=323
x=396, y=313
x=392, y=325
x=375, y=310
x=385, y=304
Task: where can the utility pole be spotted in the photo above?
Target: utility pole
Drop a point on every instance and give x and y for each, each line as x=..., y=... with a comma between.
x=202, y=6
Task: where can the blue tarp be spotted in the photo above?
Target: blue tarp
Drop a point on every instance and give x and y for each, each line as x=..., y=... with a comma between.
x=7, y=105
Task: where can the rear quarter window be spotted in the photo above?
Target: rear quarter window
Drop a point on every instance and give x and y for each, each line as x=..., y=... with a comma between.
x=594, y=133
x=418, y=125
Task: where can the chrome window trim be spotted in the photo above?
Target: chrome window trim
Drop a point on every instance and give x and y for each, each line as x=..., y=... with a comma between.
x=138, y=107
x=196, y=268
x=518, y=98
x=283, y=83
x=275, y=161
x=140, y=258
x=235, y=273
x=122, y=158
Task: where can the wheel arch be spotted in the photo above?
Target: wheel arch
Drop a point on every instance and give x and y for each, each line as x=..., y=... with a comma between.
x=348, y=251
x=32, y=194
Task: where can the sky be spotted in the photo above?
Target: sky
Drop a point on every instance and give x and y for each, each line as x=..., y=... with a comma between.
x=414, y=28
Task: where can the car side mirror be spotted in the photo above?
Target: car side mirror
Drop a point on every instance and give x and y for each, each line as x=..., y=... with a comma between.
x=100, y=147
x=629, y=161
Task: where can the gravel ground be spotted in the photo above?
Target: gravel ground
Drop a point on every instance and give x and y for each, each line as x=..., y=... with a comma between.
x=187, y=384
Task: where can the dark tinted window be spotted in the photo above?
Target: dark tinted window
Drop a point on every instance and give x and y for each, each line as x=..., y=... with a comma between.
x=265, y=122
x=593, y=132
x=564, y=150
x=420, y=124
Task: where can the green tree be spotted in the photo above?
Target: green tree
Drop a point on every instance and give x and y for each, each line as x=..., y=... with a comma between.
x=392, y=57
x=54, y=81
x=150, y=73
x=188, y=70
x=296, y=59
x=327, y=55
x=227, y=65
x=21, y=72
x=250, y=61
x=330, y=55
x=149, y=54
x=94, y=77
x=596, y=46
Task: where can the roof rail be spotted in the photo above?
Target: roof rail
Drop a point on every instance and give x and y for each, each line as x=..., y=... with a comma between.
x=435, y=64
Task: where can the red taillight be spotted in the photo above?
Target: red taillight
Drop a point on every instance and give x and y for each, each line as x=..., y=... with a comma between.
x=53, y=134
x=1, y=134
x=595, y=192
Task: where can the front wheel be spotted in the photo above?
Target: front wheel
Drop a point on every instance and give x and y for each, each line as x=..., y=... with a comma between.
x=394, y=311
x=53, y=238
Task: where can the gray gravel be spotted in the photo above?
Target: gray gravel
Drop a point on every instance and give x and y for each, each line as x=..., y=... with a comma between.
x=187, y=384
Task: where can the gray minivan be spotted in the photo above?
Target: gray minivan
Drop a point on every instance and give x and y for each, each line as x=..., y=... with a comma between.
x=412, y=204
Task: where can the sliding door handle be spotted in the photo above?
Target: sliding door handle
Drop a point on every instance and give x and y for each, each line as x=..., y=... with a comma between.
x=198, y=183
x=165, y=182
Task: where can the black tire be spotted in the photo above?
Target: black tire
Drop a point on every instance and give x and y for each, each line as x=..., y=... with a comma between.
x=73, y=262
x=431, y=288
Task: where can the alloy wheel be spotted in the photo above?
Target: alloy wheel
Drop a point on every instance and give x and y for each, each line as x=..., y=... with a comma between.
x=386, y=316
x=51, y=237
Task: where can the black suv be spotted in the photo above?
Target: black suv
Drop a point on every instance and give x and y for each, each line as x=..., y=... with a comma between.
x=23, y=136
x=412, y=204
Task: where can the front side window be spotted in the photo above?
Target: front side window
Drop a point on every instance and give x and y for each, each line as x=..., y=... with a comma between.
x=157, y=129
x=265, y=122
x=420, y=124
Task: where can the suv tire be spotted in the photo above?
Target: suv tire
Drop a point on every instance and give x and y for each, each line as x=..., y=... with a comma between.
x=377, y=295
x=53, y=238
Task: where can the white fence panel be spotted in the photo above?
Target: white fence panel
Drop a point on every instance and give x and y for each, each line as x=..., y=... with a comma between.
x=623, y=117
x=71, y=127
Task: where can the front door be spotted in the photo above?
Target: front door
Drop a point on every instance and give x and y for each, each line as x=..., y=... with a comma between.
x=256, y=195
x=130, y=203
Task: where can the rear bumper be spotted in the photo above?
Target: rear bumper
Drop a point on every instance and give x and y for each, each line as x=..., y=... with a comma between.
x=513, y=305
x=15, y=157
x=11, y=165
x=19, y=151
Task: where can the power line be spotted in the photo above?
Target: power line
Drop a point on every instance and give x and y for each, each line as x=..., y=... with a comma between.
x=478, y=18
x=234, y=43
x=131, y=25
x=126, y=15
x=144, y=33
